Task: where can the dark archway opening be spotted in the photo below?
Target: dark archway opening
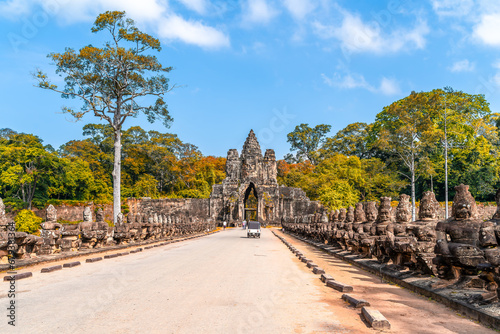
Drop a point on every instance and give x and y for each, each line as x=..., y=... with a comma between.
x=251, y=203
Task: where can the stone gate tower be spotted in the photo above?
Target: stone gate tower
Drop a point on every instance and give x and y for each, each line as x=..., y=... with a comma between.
x=251, y=175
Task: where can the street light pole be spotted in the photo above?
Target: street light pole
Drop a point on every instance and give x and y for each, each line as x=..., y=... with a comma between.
x=445, y=162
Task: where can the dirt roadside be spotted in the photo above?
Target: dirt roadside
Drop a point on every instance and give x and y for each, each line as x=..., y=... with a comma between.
x=406, y=311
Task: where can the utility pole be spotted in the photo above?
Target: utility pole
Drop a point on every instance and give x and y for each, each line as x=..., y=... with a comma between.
x=445, y=162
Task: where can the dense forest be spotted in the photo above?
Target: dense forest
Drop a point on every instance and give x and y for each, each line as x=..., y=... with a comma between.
x=402, y=151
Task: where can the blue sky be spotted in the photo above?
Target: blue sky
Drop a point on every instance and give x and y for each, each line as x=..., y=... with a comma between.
x=266, y=65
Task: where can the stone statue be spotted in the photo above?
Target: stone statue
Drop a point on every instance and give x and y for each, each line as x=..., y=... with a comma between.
x=50, y=232
x=378, y=228
x=87, y=214
x=457, y=244
x=395, y=245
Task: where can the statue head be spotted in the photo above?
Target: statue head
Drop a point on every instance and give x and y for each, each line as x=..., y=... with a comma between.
x=99, y=216
x=350, y=214
x=335, y=215
x=384, y=210
x=51, y=213
x=324, y=218
x=87, y=214
x=403, y=210
x=119, y=218
x=359, y=213
x=371, y=211
x=464, y=205
x=2, y=210
x=342, y=214
x=429, y=207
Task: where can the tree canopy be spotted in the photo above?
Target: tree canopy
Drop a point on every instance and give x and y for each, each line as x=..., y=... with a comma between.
x=112, y=81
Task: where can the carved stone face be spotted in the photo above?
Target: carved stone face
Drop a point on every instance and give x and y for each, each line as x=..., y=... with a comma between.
x=119, y=218
x=99, y=216
x=403, y=211
x=371, y=211
x=335, y=215
x=87, y=214
x=429, y=207
x=464, y=205
x=350, y=214
x=359, y=213
x=342, y=214
x=51, y=213
x=2, y=209
x=384, y=210
x=324, y=218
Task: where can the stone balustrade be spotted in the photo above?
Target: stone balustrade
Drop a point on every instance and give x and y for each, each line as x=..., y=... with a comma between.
x=463, y=251
x=89, y=234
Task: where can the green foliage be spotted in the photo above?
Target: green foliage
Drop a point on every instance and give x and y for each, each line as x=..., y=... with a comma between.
x=352, y=140
x=13, y=204
x=306, y=141
x=340, y=181
x=25, y=166
x=27, y=221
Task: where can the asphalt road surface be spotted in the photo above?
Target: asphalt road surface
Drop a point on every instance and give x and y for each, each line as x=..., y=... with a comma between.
x=222, y=283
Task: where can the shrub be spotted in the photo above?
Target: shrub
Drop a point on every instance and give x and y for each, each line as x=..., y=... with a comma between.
x=27, y=221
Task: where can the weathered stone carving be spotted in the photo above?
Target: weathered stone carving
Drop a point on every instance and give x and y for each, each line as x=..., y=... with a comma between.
x=391, y=246
x=252, y=174
x=377, y=229
x=457, y=245
x=88, y=229
x=50, y=232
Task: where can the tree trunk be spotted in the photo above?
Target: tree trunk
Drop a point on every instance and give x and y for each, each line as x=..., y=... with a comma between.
x=117, y=174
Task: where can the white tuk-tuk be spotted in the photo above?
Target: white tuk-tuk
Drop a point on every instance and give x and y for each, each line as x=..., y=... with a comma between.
x=253, y=229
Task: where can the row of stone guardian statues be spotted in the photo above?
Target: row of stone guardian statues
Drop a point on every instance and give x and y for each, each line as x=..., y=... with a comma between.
x=463, y=251
x=55, y=237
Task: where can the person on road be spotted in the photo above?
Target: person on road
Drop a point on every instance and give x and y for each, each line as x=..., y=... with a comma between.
x=224, y=225
x=244, y=224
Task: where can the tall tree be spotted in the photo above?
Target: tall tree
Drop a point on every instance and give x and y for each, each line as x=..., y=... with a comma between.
x=406, y=129
x=306, y=141
x=113, y=80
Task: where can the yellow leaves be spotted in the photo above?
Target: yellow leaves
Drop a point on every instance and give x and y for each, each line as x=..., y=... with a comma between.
x=107, y=20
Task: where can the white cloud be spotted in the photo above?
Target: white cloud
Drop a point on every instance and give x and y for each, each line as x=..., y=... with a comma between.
x=82, y=10
x=154, y=14
x=496, y=64
x=487, y=30
x=192, y=32
x=453, y=8
x=258, y=11
x=199, y=6
x=389, y=86
x=14, y=8
x=357, y=36
x=353, y=81
x=299, y=8
x=462, y=66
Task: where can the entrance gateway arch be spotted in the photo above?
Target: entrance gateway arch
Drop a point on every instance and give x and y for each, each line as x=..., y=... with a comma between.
x=251, y=190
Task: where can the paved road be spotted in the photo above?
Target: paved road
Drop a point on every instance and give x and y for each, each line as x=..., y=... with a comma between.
x=222, y=283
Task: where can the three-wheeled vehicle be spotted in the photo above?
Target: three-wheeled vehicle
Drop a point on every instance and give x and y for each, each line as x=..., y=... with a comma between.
x=253, y=229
